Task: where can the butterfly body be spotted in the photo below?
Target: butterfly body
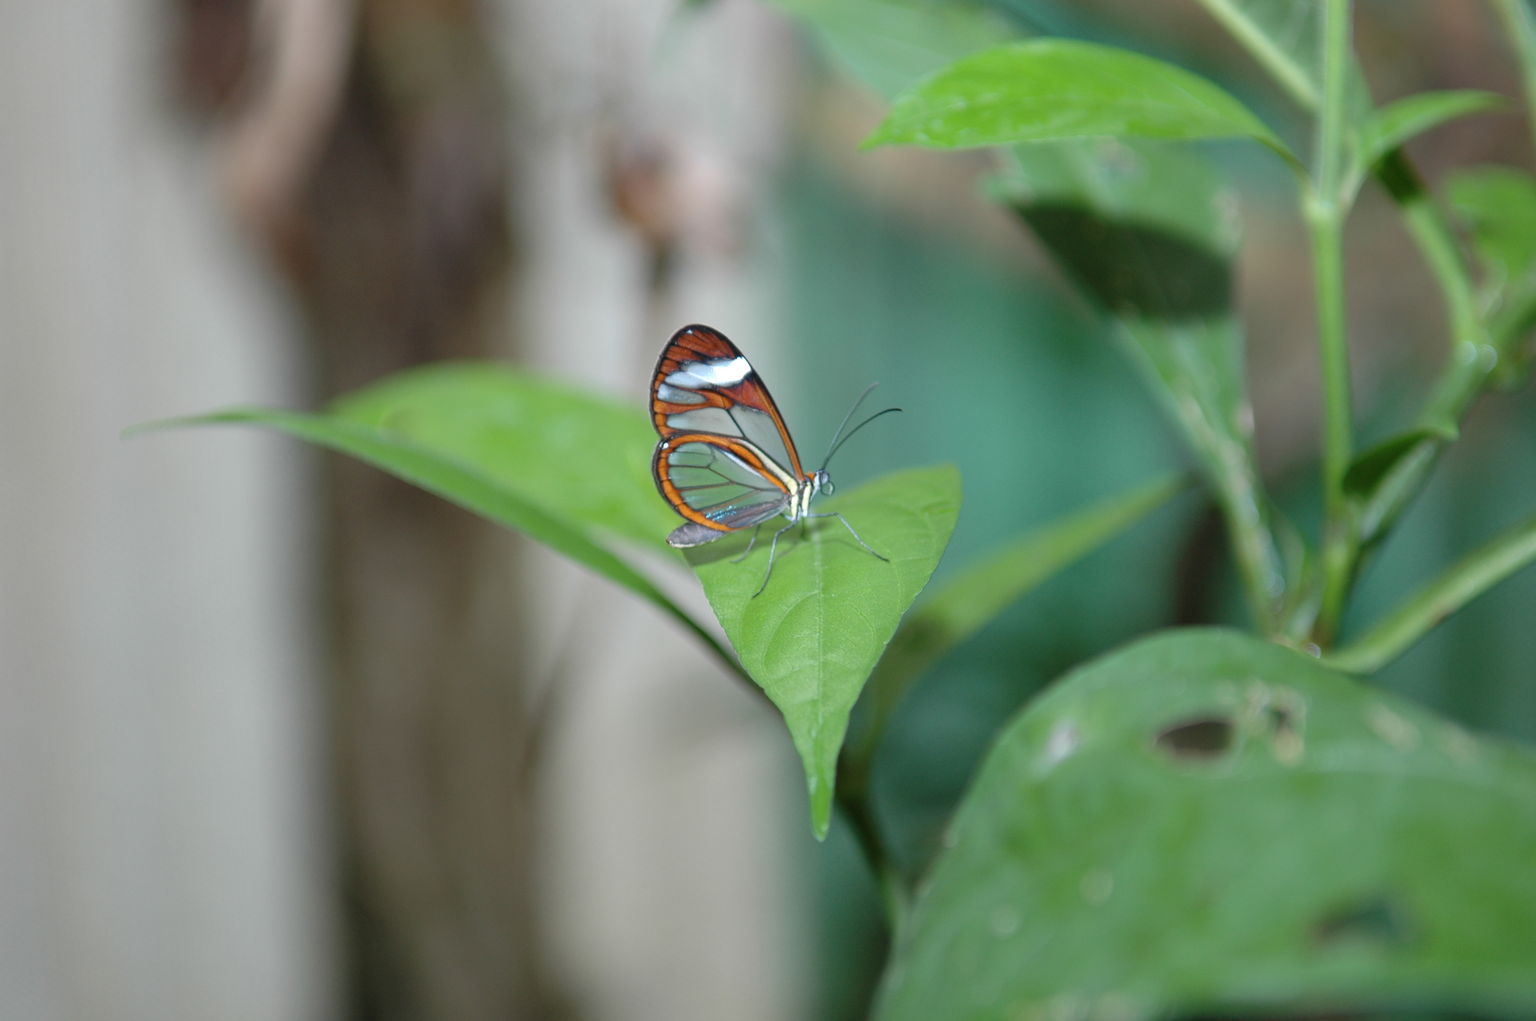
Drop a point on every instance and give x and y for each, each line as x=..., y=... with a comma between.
x=726, y=461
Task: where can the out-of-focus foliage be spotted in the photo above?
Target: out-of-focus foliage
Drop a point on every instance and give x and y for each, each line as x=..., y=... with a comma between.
x=1204, y=821
x=1047, y=90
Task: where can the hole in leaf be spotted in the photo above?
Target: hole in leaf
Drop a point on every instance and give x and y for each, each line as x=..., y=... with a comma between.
x=1375, y=920
x=1281, y=721
x=1200, y=737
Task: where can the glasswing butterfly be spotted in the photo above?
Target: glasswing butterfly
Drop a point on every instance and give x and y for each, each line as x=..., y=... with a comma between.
x=726, y=461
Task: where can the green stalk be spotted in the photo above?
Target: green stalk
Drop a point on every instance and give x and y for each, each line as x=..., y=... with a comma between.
x=1469, y=362
x=1280, y=64
x=1325, y=212
x=853, y=799
x=1521, y=25
x=1466, y=370
x=1473, y=575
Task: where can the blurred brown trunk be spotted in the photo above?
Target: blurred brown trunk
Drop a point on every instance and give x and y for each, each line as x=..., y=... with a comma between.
x=369, y=160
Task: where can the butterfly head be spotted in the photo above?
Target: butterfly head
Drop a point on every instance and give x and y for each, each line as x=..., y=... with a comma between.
x=821, y=482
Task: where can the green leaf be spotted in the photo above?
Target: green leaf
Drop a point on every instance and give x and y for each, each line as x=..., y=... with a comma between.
x=971, y=598
x=576, y=455
x=1207, y=823
x=1498, y=205
x=1054, y=89
x=1148, y=233
x=1469, y=578
x=1394, y=124
x=532, y=455
x=889, y=44
x=1381, y=480
x=812, y=636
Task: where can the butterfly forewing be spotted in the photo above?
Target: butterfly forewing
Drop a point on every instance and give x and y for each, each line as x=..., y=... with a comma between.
x=703, y=384
x=725, y=461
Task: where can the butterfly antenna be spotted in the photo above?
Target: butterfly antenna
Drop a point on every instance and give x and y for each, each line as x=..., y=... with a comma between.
x=839, y=437
x=867, y=391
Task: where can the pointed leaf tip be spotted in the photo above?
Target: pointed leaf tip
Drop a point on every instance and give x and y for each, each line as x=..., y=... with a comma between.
x=811, y=638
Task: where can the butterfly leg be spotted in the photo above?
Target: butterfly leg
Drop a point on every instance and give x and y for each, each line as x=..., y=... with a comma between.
x=861, y=542
x=748, y=551
x=772, y=547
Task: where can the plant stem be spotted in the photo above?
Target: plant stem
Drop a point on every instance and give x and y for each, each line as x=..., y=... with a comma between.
x=1279, y=62
x=1469, y=359
x=1325, y=212
x=853, y=798
x=1520, y=23
x=1473, y=575
x=1467, y=368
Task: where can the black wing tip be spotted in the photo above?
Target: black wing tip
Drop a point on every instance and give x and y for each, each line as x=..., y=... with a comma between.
x=697, y=328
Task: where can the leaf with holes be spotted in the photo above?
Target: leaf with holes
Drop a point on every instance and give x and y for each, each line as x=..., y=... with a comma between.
x=1204, y=822
x=812, y=636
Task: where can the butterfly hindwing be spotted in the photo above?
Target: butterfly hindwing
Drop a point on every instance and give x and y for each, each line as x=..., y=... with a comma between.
x=719, y=486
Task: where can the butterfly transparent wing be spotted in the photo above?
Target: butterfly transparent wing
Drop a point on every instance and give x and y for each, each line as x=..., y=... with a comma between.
x=739, y=421
x=704, y=384
x=716, y=484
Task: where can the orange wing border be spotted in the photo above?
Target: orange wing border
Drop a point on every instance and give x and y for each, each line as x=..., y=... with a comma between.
x=661, y=471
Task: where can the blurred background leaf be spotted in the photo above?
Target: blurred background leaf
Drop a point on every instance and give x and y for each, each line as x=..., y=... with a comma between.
x=1394, y=124
x=1147, y=232
x=1196, y=782
x=973, y=596
x=1047, y=90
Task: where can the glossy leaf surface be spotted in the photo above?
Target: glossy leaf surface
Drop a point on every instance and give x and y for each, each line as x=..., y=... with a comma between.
x=1045, y=90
